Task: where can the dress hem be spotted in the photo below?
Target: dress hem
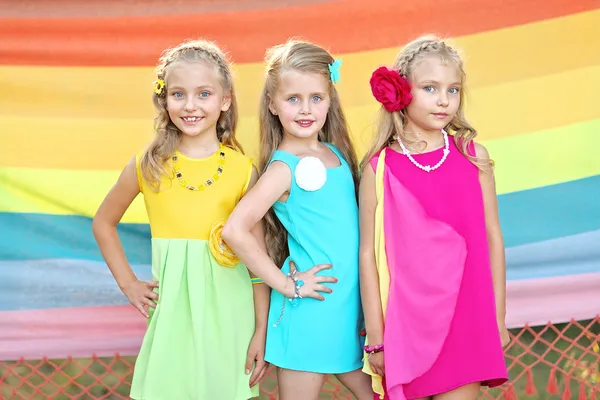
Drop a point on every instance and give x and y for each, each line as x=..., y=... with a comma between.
x=488, y=382
x=316, y=370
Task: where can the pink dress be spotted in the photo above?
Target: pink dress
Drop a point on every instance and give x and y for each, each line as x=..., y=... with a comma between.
x=440, y=320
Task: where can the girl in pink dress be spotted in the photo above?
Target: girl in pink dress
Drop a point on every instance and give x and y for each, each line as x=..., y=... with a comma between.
x=433, y=276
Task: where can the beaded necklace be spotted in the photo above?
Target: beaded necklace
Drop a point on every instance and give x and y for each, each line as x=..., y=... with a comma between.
x=209, y=181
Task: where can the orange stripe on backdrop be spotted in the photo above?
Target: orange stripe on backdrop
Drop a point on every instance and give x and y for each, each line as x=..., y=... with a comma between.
x=344, y=26
x=496, y=57
x=112, y=8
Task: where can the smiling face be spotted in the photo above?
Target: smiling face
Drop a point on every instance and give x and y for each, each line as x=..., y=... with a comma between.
x=195, y=98
x=301, y=101
x=436, y=87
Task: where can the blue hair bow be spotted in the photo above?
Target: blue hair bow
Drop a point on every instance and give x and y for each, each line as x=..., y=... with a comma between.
x=334, y=71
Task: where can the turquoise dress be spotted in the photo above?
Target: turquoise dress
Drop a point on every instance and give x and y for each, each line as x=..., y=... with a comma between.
x=322, y=225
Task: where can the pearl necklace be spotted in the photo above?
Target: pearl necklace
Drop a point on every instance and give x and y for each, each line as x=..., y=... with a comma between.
x=427, y=168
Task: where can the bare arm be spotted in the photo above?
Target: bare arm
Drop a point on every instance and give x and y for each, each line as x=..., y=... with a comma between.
x=238, y=234
x=104, y=228
x=249, y=211
x=369, y=277
x=261, y=291
x=255, y=359
x=494, y=235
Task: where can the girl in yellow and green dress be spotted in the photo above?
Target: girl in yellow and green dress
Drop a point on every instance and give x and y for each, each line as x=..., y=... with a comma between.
x=206, y=318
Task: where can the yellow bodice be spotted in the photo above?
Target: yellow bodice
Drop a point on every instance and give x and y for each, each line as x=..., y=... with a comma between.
x=176, y=212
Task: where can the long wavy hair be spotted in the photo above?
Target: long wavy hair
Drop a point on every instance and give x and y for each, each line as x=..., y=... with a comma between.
x=391, y=124
x=306, y=57
x=156, y=159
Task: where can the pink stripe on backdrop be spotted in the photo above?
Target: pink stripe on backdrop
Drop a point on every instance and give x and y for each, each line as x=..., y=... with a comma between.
x=104, y=331
x=556, y=299
x=77, y=332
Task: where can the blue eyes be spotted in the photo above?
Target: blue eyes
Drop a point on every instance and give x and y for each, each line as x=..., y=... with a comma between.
x=431, y=89
x=180, y=95
x=315, y=99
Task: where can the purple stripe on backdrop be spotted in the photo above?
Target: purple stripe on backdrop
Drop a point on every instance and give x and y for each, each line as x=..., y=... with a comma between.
x=77, y=332
x=81, y=332
x=557, y=299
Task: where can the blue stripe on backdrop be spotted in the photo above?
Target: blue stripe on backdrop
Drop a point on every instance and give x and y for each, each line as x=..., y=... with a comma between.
x=57, y=283
x=550, y=212
x=527, y=217
x=43, y=236
x=569, y=255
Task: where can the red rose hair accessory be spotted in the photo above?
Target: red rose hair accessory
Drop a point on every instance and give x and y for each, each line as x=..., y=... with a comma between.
x=390, y=89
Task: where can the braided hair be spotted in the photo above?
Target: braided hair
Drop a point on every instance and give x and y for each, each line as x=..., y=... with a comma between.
x=391, y=124
x=155, y=159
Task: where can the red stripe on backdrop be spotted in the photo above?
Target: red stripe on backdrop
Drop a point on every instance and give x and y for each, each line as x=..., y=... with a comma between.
x=344, y=26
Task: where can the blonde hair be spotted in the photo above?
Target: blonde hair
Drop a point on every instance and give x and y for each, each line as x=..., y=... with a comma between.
x=307, y=57
x=392, y=123
x=156, y=158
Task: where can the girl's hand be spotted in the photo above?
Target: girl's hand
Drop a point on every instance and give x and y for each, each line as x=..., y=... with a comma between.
x=312, y=283
x=504, y=336
x=256, y=358
x=376, y=362
x=141, y=296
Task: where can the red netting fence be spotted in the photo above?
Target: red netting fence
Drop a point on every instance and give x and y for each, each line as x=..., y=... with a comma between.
x=555, y=361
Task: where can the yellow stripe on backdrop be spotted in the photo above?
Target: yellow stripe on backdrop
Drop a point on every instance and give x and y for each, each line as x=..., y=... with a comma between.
x=546, y=157
x=62, y=192
x=495, y=57
x=523, y=162
x=496, y=111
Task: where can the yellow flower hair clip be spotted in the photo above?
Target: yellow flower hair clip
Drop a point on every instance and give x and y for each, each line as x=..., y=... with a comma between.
x=159, y=85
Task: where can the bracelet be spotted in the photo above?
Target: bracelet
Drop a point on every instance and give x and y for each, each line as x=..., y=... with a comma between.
x=374, y=349
x=298, y=283
x=256, y=281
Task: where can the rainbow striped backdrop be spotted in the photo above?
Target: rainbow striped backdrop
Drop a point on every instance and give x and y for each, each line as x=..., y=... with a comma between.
x=75, y=85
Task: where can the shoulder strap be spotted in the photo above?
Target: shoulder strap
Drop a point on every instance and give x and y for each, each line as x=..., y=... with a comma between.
x=287, y=158
x=336, y=152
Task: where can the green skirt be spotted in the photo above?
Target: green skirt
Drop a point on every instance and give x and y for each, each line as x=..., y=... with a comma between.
x=197, y=340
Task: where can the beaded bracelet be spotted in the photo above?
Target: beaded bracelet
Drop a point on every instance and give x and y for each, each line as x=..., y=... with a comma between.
x=256, y=281
x=298, y=283
x=373, y=349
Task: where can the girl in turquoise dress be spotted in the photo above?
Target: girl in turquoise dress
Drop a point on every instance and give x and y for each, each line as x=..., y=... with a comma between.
x=308, y=194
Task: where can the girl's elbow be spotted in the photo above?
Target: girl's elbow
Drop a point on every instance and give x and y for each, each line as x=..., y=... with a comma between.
x=229, y=231
x=95, y=227
x=99, y=225
x=366, y=256
x=495, y=238
x=102, y=227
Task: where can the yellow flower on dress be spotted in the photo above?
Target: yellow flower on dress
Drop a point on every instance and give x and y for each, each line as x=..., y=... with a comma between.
x=219, y=249
x=159, y=85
